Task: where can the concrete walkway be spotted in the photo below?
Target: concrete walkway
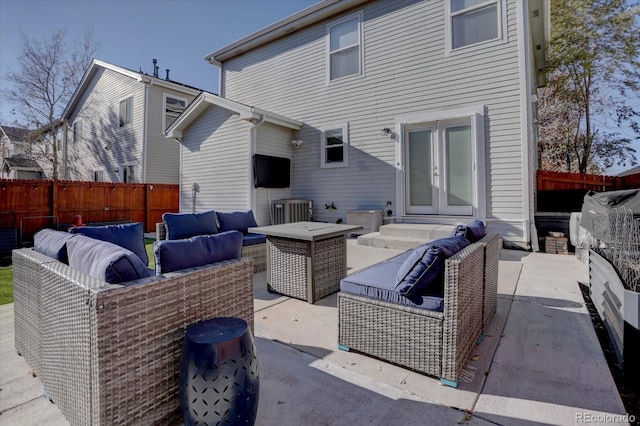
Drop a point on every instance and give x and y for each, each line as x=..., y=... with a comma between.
x=541, y=362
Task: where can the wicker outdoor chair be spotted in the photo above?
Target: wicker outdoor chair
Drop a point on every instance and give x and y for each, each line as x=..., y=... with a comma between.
x=430, y=342
x=109, y=354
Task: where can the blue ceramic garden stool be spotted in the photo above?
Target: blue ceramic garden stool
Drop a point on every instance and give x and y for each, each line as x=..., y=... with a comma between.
x=219, y=381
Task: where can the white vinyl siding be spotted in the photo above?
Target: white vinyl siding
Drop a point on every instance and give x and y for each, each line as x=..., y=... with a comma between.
x=407, y=72
x=105, y=145
x=215, y=156
x=163, y=155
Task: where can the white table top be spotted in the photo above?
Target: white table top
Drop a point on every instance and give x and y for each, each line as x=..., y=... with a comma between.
x=307, y=231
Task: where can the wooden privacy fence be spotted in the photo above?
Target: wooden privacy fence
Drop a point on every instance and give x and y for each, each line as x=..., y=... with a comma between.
x=553, y=181
x=30, y=205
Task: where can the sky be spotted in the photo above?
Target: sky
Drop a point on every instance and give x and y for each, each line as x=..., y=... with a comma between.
x=131, y=33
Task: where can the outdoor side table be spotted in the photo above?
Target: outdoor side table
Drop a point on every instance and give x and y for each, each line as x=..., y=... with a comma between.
x=219, y=381
x=306, y=260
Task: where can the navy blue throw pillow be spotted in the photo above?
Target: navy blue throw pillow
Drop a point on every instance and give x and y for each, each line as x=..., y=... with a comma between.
x=421, y=273
x=173, y=255
x=236, y=221
x=474, y=231
x=129, y=236
x=185, y=225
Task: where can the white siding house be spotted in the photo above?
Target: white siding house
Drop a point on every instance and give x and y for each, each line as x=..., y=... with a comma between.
x=428, y=104
x=115, y=126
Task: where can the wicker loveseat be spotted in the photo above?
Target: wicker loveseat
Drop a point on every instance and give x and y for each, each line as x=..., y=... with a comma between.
x=109, y=354
x=434, y=335
x=254, y=246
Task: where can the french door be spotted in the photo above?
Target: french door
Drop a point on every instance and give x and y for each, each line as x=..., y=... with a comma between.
x=439, y=168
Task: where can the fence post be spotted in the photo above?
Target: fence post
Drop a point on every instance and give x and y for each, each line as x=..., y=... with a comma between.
x=54, y=198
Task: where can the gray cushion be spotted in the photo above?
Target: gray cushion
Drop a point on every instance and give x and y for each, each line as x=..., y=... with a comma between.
x=252, y=239
x=185, y=225
x=52, y=243
x=104, y=260
x=129, y=236
x=422, y=272
x=378, y=281
x=173, y=255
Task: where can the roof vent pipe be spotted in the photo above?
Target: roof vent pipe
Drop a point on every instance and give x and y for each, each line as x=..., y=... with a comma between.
x=167, y=70
x=155, y=68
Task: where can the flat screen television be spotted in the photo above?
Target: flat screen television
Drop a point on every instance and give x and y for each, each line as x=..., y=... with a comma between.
x=271, y=172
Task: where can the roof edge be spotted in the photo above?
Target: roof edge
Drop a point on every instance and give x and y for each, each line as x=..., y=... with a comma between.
x=295, y=22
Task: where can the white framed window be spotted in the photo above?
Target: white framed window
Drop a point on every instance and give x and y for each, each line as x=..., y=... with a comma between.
x=128, y=173
x=334, y=147
x=77, y=131
x=98, y=175
x=344, y=47
x=173, y=107
x=473, y=21
x=126, y=111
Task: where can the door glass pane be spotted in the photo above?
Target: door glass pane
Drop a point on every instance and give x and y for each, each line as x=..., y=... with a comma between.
x=458, y=162
x=420, y=175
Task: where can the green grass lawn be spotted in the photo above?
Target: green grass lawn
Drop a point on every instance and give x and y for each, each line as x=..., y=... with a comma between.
x=6, y=275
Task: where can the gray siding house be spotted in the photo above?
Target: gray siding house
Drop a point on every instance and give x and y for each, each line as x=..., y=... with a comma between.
x=114, y=126
x=428, y=104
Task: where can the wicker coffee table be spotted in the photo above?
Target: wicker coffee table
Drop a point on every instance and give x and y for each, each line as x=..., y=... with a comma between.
x=306, y=260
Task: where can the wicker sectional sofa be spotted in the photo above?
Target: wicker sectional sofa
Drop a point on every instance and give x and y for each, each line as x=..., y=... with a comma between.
x=436, y=338
x=250, y=247
x=108, y=354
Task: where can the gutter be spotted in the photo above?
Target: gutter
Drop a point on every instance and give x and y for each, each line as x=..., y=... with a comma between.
x=295, y=22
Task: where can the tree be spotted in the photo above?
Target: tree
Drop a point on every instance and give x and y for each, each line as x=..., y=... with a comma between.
x=49, y=72
x=594, y=73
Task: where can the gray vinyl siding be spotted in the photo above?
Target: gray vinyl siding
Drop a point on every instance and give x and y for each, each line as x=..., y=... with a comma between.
x=162, y=154
x=105, y=145
x=275, y=141
x=215, y=156
x=406, y=72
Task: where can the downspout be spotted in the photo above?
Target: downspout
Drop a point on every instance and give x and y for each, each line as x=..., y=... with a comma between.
x=530, y=234
x=65, y=139
x=145, y=120
x=253, y=142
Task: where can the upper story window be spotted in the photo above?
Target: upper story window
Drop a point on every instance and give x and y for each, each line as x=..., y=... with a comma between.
x=334, y=147
x=173, y=106
x=128, y=173
x=98, y=175
x=77, y=131
x=474, y=21
x=344, y=47
x=126, y=111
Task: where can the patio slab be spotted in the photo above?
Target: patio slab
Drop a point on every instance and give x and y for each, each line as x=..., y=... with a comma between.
x=540, y=362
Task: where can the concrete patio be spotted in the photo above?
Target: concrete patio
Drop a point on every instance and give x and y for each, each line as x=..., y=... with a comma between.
x=540, y=363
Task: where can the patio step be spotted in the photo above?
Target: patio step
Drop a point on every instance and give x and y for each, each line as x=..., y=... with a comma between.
x=404, y=236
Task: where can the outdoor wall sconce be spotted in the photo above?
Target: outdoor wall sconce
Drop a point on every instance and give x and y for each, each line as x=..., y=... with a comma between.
x=116, y=170
x=387, y=132
x=297, y=143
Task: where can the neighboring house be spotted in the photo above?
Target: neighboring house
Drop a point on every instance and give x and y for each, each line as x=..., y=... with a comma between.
x=18, y=154
x=632, y=171
x=19, y=167
x=428, y=104
x=115, y=122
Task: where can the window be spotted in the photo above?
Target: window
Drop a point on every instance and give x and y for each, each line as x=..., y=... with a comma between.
x=126, y=106
x=77, y=131
x=98, y=175
x=173, y=106
x=334, y=147
x=344, y=48
x=128, y=174
x=474, y=21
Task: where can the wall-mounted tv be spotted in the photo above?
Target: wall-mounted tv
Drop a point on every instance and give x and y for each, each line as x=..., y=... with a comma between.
x=271, y=172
